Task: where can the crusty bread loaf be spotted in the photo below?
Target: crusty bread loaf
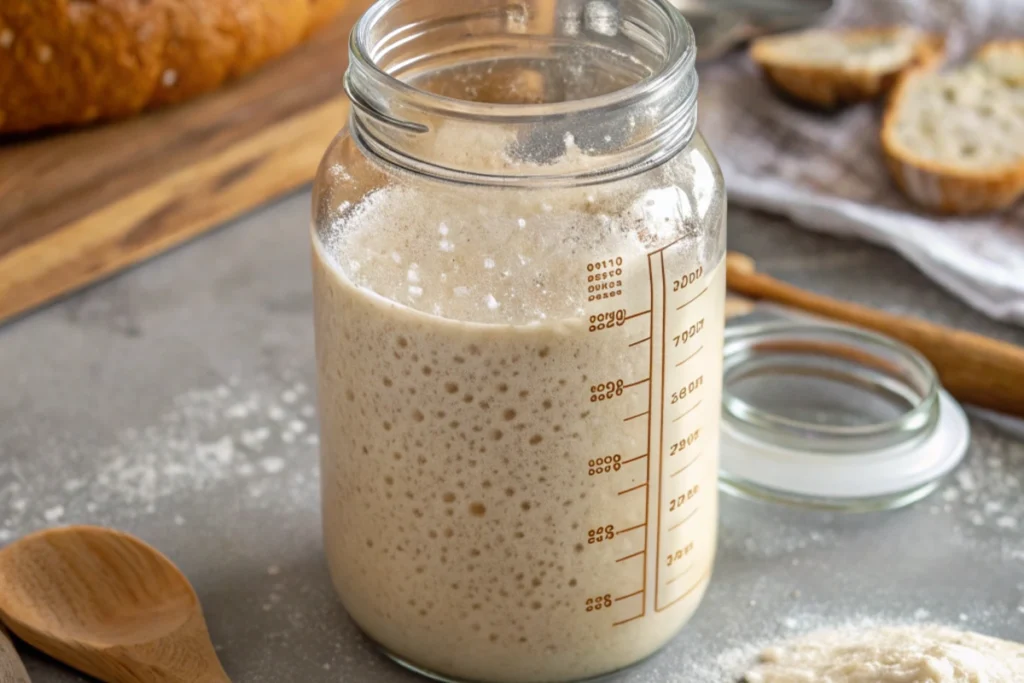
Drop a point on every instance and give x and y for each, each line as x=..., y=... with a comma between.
x=828, y=69
x=68, y=62
x=954, y=141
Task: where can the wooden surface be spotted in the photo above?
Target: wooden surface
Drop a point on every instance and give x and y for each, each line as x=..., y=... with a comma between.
x=81, y=205
x=973, y=368
x=11, y=668
x=108, y=605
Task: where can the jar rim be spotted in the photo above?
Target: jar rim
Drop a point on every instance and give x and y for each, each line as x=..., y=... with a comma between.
x=678, y=62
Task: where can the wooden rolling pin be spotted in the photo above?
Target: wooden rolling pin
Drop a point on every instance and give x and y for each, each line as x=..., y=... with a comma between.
x=973, y=368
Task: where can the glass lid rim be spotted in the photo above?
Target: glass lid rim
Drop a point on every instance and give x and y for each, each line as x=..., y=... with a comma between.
x=744, y=412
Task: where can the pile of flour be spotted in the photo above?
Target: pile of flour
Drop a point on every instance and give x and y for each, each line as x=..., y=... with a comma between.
x=899, y=654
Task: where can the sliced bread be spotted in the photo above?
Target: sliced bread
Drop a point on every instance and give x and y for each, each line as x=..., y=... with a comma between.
x=954, y=141
x=828, y=69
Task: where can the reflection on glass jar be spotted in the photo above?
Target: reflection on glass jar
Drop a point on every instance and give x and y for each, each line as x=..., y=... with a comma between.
x=519, y=282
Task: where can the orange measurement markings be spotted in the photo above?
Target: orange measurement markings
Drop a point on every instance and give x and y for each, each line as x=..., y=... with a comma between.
x=692, y=408
x=686, y=593
x=639, y=457
x=626, y=621
x=679, y=576
x=636, y=315
x=685, y=467
x=630, y=557
x=638, y=486
x=689, y=358
x=637, y=383
x=642, y=341
x=685, y=519
x=632, y=528
x=633, y=417
x=631, y=595
x=703, y=292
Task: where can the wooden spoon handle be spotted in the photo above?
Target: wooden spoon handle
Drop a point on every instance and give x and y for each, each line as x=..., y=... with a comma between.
x=974, y=368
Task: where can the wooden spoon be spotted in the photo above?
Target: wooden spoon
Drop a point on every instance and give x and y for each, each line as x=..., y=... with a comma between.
x=974, y=368
x=11, y=668
x=106, y=604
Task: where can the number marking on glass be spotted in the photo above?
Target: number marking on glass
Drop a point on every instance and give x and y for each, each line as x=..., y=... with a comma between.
x=687, y=389
x=601, y=534
x=688, y=334
x=678, y=502
x=672, y=338
x=684, y=443
x=608, y=320
x=605, y=391
x=688, y=279
x=599, y=602
x=678, y=555
x=609, y=463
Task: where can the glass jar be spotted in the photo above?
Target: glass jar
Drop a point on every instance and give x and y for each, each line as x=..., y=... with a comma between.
x=519, y=283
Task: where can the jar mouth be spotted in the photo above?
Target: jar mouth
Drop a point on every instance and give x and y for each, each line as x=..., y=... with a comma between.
x=377, y=47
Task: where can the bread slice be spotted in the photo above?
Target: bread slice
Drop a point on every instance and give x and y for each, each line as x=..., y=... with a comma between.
x=954, y=141
x=1005, y=59
x=828, y=69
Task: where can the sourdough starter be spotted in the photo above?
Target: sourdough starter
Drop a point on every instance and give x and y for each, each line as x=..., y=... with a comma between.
x=458, y=434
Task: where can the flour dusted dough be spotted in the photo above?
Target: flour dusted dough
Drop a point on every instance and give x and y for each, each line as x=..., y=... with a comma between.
x=912, y=654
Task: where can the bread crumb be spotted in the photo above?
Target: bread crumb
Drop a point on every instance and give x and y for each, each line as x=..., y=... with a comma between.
x=45, y=53
x=6, y=38
x=169, y=78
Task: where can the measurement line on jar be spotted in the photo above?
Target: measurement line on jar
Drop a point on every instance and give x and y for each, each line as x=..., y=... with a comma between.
x=646, y=412
x=692, y=408
x=631, y=595
x=632, y=528
x=636, y=383
x=686, y=593
x=686, y=466
x=636, y=315
x=642, y=341
x=685, y=519
x=703, y=292
x=689, y=358
x=626, y=621
x=630, y=557
x=680, y=575
x=630, y=490
x=661, y=421
x=639, y=457
x=667, y=246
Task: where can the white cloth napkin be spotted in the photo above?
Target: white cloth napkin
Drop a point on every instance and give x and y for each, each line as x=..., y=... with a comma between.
x=825, y=172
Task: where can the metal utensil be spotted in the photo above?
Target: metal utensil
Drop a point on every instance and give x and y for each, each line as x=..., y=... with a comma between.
x=722, y=25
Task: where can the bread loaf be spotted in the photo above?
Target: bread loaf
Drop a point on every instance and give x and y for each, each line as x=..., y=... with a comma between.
x=828, y=69
x=954, y=141
x=73, y=62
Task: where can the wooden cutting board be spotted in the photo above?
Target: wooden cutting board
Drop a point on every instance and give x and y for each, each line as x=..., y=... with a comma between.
x=79, y=206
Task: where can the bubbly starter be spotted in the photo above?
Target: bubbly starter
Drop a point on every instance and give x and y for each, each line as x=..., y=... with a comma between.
x=519, y=445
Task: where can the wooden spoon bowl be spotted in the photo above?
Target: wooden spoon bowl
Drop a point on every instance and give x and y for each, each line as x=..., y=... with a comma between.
x=106, y=604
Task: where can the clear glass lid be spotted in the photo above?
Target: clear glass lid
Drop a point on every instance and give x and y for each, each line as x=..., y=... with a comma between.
x=832, y=416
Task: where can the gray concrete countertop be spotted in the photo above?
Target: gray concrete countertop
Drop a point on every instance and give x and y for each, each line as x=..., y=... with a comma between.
x=175, y=402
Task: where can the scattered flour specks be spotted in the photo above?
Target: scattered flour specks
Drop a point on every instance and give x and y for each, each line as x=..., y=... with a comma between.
x=205, y=439
x=273, y=465
x=985, y=492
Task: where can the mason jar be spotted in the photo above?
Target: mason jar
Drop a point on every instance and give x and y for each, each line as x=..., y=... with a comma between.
x=518, y=257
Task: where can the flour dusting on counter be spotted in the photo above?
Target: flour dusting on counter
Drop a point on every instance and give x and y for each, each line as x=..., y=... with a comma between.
x=204, y=439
